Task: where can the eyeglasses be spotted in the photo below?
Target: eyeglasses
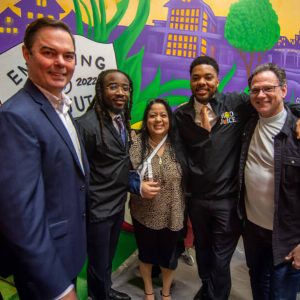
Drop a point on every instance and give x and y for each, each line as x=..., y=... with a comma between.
x=113, y=87
x=266, y=90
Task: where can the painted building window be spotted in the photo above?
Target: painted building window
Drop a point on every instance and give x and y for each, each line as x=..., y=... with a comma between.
x=203, y=47
x=41, y=3
x=185, y=19
x=182, y=45
x=204, y=22
x=30, y=15
x=39, y=15
x=8, y=27
x=8, y=21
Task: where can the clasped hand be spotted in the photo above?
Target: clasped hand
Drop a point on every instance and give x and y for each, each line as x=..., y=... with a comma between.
x=150, y=189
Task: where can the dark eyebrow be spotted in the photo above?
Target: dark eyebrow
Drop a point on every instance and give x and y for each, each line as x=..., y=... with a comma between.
x=54, y=50
x=47, y=48
x=204, y=75
x=71, y=52
x=209, y=74
x=114, y=82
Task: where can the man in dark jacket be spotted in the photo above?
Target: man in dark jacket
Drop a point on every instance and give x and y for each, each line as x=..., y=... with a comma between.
x=105, y=133
x=211, y=125
x=213, y=148
x=270, y=172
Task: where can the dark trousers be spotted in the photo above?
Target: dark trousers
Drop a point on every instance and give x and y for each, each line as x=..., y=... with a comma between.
x=268, y=282
x=217, y=229
x=102, y=243
x=28, y=290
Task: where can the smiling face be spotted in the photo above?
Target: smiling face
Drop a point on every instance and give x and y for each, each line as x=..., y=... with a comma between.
x=51, y=59
x=116, y=91
x=270, y=102
x=204, y=82
x=157, y=121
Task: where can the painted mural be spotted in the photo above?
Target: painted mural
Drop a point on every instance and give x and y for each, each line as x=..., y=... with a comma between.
x=154, y=41
x=157, y=49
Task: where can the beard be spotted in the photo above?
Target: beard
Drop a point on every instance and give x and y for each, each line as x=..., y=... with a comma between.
x=112, y=108
x=115, y=110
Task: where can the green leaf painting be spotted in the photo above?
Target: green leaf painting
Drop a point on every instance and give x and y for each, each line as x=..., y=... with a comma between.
x=252, y=28
x=122, y=44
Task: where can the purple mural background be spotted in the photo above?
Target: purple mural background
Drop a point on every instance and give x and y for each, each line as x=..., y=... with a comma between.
x=155, y=40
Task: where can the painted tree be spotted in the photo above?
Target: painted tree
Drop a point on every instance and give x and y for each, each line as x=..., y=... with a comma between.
x=252, y=28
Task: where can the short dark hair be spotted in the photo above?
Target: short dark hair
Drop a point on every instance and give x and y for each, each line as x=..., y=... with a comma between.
x=280, y=73
x=40, y=23
x=204, y=60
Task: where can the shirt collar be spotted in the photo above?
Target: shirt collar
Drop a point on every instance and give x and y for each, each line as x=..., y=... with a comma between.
x=62, y=103
x=113, y=115
x=198, y=105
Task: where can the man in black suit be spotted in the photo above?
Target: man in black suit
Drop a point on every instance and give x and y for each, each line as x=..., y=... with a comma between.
x=43, y=171
x=105, y=131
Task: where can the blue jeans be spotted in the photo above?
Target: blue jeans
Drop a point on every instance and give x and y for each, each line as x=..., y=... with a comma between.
x=268, y=282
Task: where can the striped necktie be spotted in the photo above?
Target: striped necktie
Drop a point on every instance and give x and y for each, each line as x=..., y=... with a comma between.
x=121, y=127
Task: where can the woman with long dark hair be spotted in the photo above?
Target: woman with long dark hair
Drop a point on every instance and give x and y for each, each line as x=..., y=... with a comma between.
x=158, y=222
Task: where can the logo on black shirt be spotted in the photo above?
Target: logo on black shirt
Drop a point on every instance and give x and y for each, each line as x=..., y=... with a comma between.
x=228, y=117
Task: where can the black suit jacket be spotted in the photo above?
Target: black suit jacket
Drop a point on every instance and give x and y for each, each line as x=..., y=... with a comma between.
x=109, y=181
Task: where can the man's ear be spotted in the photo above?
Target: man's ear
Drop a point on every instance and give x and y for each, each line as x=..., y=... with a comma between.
x=26, y=53
x=284, y=90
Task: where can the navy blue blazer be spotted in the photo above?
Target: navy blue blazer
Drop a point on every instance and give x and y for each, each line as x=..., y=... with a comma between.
x=42, y=194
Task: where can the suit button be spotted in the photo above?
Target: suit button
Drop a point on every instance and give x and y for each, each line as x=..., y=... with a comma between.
x=82, y=188
x=83, y=216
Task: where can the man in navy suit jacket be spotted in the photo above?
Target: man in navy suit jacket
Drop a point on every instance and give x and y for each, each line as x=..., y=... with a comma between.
x=43, y=171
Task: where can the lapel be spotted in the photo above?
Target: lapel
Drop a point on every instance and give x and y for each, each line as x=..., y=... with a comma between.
x=189, y=108
x=85, y=163
x=53, y=118
x=217, y=104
